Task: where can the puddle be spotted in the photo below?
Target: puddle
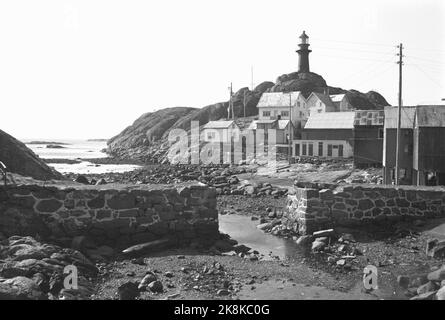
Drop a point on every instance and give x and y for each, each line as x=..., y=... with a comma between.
x=244, y=230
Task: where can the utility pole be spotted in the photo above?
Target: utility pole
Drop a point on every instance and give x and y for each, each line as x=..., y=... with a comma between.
x=289, y=152
x=231, y=104
x=251, y=77
x=244, y=103
x=399, y=116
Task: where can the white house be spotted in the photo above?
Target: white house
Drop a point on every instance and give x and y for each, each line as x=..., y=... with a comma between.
x=220, y=131
x=319, y=102
x=283, y=106
x=341, y=102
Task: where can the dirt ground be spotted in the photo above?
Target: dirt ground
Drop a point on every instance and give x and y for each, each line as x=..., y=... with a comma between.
x=189, y=274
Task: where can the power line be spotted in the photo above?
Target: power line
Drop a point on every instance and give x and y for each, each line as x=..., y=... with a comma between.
x=356, y=50
x=351, y=58
x=356, y=43
x=429, y=60
x=427, y=75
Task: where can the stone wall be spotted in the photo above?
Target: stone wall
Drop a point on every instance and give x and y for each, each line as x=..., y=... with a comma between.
x=311, y=209
x=118, y=217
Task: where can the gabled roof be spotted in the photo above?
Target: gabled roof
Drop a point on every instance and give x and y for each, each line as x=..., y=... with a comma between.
x=337, y=97
x=430, y=116
x=282, y=124
x=407, y=117
x=221, y=124
x=323, y=98
x=331, y=120
x=278, y=99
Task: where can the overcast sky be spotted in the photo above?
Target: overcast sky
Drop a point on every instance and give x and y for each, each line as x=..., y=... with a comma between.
x=88, y=69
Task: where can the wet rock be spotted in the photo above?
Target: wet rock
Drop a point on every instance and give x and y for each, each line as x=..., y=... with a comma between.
x=317, y=245
x=427, y=287
x=156, y=286
x=304, y=240
x=223, y=292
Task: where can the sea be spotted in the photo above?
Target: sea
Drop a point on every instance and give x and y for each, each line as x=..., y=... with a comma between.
x=76, y=150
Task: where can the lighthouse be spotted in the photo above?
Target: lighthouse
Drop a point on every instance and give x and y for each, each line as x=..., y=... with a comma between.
x=303, y=53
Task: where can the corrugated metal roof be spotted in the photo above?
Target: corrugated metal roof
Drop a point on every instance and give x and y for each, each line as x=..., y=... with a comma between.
x=369, y=118
x=430, y=116
x=222, y=124
x=331, y=120
x=278, y=99
x=407, y=117
x=337, y=97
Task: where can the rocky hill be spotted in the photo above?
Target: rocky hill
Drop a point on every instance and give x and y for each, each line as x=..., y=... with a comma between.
x=145, y=140
x=18, y=158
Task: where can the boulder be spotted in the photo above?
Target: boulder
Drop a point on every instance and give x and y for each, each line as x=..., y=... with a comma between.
x=437, y=275
x=128, y=291
x=440, y=295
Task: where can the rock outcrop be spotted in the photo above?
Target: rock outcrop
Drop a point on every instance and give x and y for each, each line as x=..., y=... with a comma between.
x=18, y=158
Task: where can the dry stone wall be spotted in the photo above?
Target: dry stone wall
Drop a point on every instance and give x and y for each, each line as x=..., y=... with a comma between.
x=118, y=217
x=309, y=209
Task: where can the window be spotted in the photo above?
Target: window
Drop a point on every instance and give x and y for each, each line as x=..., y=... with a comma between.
x=301, y=114
x=210, y=135
x=298, y=103
x=304, y=149
x=266, y=113
x=329, y=150
x=381, y=134
x=285, y=113
x=320, y=149
x=340, y=151
x=297, y=149
x=311, y=149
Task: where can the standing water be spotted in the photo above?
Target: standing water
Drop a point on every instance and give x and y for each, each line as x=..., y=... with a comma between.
x=243, y=230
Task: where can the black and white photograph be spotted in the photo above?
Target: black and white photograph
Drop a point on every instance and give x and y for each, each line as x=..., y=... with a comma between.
x=213, y=158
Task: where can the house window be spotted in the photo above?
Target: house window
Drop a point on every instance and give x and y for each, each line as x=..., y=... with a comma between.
x=285, y=113
x=381, y=135
x=298, y=103
x=304, y=149
x=311, y=149
x=297, y=149
x=266, y=113
x=320, y=149
x=301, y=114
x=329, y=150
x=211, y=135
x=340, y=151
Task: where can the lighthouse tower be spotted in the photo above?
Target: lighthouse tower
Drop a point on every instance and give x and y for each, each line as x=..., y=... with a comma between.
x=303, y=53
